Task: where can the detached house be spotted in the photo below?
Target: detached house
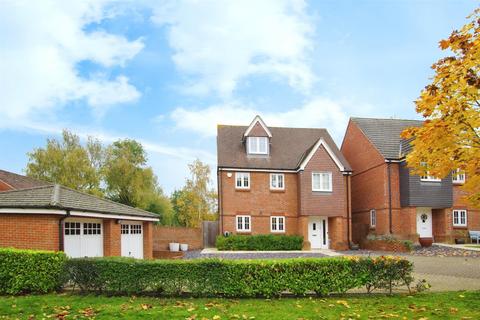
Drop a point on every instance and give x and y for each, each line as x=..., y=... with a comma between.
x=387, y=199
x=43, y=216
x=274, y=180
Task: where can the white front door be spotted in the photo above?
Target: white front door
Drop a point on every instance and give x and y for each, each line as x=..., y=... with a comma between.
x=83, y=238
x=424, y=222
x=318, y=232
x=132, y=239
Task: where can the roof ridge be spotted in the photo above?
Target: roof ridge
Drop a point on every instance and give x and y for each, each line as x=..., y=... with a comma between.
x=393, y=119
x=55, y=195
x=27, y=189
x=105, y=199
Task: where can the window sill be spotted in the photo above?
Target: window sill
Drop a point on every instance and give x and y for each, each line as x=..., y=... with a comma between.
x=242, y=189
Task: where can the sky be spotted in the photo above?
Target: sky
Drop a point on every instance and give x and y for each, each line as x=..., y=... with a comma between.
x=167, y=72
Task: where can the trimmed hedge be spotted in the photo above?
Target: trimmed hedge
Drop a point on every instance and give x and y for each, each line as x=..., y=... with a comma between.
x=261, y=242
x=236, y=278
x=30, y=271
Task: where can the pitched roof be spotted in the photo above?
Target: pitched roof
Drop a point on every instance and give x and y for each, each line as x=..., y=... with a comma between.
x=60, y=197
x=17, y=181
x=288, y=147
x=384, y=134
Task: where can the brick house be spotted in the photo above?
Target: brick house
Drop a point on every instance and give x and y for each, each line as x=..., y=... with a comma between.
x=43, y=216
x=386, y=199
x=274, y=180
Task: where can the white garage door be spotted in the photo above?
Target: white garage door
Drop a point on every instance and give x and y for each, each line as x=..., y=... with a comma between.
x=83, y=238
x=132, y=239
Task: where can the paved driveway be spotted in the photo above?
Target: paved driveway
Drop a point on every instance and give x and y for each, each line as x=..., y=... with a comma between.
x=448, y=273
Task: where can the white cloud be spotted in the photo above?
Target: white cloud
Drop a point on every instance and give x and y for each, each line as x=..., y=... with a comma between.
x=41, y=44
x=317, y=113
x=218, y=43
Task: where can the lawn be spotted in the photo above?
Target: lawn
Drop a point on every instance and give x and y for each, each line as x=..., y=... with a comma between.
x=473, y=245
x=451, y=305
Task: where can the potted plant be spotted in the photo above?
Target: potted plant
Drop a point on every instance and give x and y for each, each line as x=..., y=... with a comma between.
x=184, y=247
x=425, y=242
x=174, y=246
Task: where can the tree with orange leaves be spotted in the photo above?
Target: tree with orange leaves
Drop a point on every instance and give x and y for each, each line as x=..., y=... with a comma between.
x=450, y=136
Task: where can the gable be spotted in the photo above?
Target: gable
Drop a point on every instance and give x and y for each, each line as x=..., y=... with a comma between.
x=261, y=129
x=320, y=146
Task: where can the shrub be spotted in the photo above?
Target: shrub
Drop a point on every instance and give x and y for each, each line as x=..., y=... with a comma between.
x=30, y=271
x=230, y=278
x=263, y=242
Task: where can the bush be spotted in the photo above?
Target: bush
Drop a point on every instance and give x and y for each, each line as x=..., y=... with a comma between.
x=30, y=271
x=232, y=278
x=262, y=242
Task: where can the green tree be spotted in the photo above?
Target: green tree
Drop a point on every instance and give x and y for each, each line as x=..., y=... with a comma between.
x=197, y=200
x=69, y=163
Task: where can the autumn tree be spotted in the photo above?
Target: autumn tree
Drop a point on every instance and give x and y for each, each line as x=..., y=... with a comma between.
x=69, y=163
x=196, y=201
x=450, y=136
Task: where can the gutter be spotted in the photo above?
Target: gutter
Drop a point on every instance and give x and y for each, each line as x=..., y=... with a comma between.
x=61, y=234
x=390, y=227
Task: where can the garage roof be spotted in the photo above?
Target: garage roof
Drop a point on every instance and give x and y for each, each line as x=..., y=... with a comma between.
x=60, y=197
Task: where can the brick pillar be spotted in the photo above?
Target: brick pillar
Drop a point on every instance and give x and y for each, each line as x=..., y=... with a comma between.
x=337, y=231
x=147, y=240
x=302, y=226
x=111, y=238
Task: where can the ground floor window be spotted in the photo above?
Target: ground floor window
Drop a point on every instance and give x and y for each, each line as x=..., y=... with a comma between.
x=277, y=224
x=460, y=218
x=243, y=223
x=373, y=218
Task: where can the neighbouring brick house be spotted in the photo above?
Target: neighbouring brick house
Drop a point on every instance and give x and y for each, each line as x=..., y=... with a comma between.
x=44, y=216
x=283, y=181
x=386, y=199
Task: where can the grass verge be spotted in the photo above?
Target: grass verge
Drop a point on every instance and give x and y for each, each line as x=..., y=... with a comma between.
x=451, y=305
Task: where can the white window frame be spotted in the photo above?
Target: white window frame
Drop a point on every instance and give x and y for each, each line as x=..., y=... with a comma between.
x=373, y=218
x=253, y=145
x=427, y=177
x=275, y=224
x=458, y=176
x=243, y=219
x=458, y=219
x=242, y=175
x=321, y=174
x=276, y=176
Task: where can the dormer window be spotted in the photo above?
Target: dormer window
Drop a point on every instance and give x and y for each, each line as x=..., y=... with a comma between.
x=257, y=145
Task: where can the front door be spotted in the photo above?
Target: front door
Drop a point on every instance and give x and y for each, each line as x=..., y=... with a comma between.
x=424, y=222
x=318, y=232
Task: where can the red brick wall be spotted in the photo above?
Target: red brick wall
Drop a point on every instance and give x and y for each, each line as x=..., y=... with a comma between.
x=162, y=236
x=147, y=240
x=329, y=204
x=260, y=202
x=39, y=232
x=111, y=238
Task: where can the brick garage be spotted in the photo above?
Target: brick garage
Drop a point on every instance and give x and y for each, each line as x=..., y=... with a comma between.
x=53, y=217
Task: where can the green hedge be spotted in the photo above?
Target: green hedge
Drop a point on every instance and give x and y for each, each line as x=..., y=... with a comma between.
x=30, y=271
x=235, y=278
x=262, y=242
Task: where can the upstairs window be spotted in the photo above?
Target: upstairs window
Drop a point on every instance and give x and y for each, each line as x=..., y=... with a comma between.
x=459, y=218
x=242, y=180
x=458, y=176
x=322, y=181
x=257, y=145
x=427, y=177
x=277, y=181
